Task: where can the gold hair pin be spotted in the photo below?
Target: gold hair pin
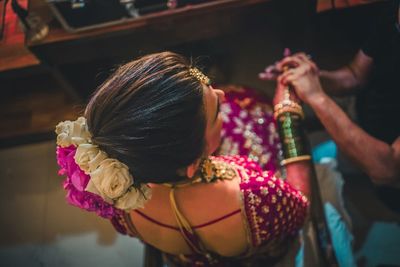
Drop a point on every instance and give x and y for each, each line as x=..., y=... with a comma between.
x=199, y=76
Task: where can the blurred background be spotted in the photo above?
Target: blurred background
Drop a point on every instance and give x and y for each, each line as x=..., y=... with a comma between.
x=53, y=54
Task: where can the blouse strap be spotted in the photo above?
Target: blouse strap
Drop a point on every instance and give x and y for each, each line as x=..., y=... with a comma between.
x=123, y=224
x=186, y=230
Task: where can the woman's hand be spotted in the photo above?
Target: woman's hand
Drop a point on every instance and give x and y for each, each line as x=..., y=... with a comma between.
x=280, y=94
x=302, y=75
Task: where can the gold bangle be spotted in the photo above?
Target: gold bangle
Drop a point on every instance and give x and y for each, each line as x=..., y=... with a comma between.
x=287, y=103
x=278, y=107
x=290, y=110
x=295, y=159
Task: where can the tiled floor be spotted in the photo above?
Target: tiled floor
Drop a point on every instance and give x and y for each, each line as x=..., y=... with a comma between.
x=376, y=228
x=39, y=229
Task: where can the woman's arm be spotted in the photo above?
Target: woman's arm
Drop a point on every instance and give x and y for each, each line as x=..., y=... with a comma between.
x=298, y=173
x=298, y=176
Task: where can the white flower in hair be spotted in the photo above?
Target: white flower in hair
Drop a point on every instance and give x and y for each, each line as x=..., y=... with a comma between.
x=72, y=132
x=89, y=157
x=110, y=180
x=134, y=198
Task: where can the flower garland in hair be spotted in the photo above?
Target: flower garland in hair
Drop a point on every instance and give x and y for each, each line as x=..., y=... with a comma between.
x=94, y=181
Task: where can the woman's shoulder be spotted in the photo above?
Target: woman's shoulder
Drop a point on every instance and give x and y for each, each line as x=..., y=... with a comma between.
x=251, y=178
x=242, y=162
x=272, y=207
x=248, y=171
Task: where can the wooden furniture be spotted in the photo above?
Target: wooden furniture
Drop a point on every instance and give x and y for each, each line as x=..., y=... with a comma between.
x=146, y=33
x=21, y=59
x=13, y=52
x=153, y=32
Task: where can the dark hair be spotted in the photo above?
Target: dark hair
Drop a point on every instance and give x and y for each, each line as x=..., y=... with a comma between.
x=150, y=115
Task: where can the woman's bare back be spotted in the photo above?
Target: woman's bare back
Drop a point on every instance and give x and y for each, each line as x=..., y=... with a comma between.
x=200, y=204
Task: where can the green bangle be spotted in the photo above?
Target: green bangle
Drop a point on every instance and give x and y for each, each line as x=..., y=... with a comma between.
x=291, y=134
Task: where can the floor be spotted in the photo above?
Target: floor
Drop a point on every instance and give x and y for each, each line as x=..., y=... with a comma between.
x=40, y=229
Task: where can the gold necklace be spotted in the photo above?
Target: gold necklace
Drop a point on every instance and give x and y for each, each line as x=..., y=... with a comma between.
x=210, y=171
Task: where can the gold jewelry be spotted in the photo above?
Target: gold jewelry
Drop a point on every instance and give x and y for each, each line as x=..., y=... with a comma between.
x=286, y=94
x=206, y=169
x=291, y=135
x=195, y=72
x=210, y=171
x=295, y=159
x=290, y=110
x=286, y=103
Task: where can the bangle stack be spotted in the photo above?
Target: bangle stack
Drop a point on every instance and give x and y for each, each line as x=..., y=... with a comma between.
x=289, y=116
x=288, y=106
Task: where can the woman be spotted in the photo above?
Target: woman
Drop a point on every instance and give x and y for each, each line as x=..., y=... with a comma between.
x=141, y=156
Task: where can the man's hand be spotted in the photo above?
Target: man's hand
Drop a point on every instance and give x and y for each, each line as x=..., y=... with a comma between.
x=272, y=72
x=302, y=74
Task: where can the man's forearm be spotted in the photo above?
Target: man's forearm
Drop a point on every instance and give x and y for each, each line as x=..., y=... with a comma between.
x=348, y=78
x=339, y=82
x=376, y=158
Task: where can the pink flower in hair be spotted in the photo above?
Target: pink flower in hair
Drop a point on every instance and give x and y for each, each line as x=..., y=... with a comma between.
x=76, y=182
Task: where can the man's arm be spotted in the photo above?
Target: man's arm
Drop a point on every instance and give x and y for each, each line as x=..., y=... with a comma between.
x=376, y=158
x=343, y=81
x=349, y=78
x=380, y=161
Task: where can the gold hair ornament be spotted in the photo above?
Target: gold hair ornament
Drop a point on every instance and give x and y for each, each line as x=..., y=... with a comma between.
x=195, y=72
